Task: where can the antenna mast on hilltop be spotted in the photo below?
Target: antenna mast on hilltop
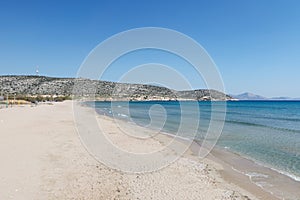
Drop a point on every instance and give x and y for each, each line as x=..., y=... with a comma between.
x=37, y=71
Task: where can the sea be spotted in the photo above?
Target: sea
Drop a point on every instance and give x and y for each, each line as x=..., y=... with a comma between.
x=266, y=132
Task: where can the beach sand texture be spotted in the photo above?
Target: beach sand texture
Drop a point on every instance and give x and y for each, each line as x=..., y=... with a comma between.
x=42, y=158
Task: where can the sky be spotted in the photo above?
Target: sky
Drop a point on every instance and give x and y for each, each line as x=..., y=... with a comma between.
x=254, y=44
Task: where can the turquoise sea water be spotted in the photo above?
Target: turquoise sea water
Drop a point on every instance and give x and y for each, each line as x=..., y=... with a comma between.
x=267, y=132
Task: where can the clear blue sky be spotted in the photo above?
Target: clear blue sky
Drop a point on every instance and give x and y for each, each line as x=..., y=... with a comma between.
x=255, y=43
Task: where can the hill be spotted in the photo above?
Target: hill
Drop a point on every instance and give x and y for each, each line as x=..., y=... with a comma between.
x=103, y=90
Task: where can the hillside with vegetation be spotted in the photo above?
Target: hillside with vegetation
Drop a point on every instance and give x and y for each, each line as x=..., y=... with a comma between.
x=51, y=88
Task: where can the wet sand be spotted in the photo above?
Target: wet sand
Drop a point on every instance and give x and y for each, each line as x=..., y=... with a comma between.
x=265, y=182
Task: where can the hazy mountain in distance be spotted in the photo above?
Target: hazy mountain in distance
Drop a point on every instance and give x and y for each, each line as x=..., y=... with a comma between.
x=251, y=96
x=248, y=96
x=285, y=98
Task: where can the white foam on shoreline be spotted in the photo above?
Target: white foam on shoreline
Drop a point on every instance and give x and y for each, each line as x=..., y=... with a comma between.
x=292, y=176
x=122, y=115
x=261, y=184
x=256, y=175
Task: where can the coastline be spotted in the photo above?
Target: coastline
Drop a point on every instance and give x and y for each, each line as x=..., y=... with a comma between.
x=230, y=176
x=263, y=181
x=213, y=166
x=44, y=158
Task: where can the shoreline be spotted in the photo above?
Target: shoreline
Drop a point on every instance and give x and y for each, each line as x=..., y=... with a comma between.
x=233, y=173
x=268, y=180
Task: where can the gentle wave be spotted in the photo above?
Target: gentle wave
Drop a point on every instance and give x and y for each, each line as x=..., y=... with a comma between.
x=122, y=115
x=255, y=174
x=262, y=125
x=292, y=176
x=254, y=125
x=253, y=115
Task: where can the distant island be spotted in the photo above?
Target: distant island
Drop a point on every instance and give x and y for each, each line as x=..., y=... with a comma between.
x=42, y=88
x=255, y=97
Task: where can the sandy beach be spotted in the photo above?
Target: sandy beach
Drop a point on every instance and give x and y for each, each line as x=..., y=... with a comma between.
x=42, y=157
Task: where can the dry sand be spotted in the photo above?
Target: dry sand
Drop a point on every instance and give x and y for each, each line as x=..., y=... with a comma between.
x=42, y=158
